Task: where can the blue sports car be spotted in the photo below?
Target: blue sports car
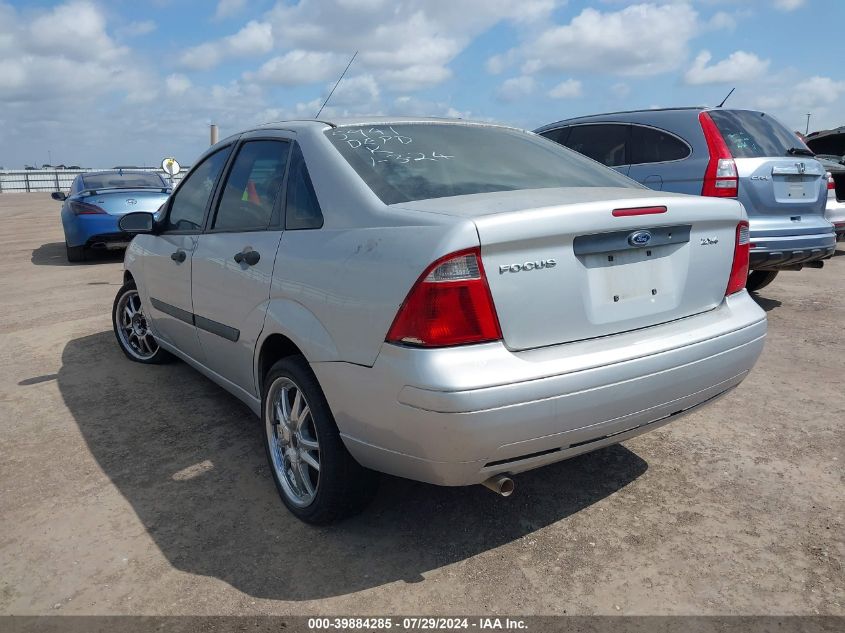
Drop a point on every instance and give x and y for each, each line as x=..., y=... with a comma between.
x=97, y=200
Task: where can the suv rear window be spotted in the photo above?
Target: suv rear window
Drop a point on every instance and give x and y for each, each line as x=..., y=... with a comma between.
x=418, y=161
x=754, y=134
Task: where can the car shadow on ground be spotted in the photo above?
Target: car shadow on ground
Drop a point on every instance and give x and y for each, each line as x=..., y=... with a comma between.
x=54, y=254
x=764, y=302
x=189, y=459
x=838, y=253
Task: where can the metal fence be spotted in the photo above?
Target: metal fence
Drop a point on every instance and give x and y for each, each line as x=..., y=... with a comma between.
x=32, y=180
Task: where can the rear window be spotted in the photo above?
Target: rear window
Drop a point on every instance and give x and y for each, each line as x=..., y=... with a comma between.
x=419, y=161
x=754, y=134
x=122, y=181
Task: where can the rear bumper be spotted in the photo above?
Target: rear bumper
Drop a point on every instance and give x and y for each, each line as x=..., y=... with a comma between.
x=458, y=416
x=94, y=231
x=835, y=214
x=778, y=252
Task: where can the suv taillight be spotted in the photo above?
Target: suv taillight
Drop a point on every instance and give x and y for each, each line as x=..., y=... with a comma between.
x=450, y=304
x=739, y=268
x=830, y=183
x=720, y=179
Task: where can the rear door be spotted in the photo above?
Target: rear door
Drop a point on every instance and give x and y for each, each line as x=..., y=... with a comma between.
x=168, y=256
x=234, y=258
x=657, y=160
x=782, y=186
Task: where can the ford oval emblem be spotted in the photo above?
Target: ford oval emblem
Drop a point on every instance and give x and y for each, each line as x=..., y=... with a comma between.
x=639, y=238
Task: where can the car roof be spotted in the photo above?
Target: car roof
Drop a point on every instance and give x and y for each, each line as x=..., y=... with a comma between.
x=625, y=113
x=310, y=124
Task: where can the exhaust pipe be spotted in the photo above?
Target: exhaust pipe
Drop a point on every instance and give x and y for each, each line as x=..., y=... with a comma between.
x=500, y=484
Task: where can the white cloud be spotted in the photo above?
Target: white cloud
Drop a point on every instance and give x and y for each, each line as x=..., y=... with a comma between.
x=789, y=5
x=405, y=46
x=817, y=92
x=177, y=84
x=299, y=67
x=568, y=89
x=641, y=39
x=136, y=29
x=255, y=39
x=228, y=8
x=739, y=66
x=515, y=88
x=64, y=52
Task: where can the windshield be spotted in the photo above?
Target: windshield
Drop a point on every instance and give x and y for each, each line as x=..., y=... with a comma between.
x=418, y=161
x=122, y=181
x=755, y=134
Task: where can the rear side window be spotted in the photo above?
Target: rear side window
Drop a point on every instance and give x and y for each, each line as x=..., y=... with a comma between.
x=649, y=145
x=754, y=134
x=558, y=136
x=303, y=210
x=252, y=186
x=604, y=143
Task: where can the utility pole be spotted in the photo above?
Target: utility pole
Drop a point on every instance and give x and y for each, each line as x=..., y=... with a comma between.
x=807, y=131
x=213, y=133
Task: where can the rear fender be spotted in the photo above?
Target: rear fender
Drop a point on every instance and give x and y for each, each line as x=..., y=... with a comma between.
x=301, y=326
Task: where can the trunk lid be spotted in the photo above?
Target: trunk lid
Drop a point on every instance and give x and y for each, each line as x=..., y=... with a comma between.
x=779, y=179
x=561, y=267
x=782, y=186
x=122, y=201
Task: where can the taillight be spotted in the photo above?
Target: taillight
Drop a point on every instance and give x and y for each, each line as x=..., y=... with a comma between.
x=739, y=268
x=720, y=179
x=830, y=183
x=84, y=208
x=450, y=304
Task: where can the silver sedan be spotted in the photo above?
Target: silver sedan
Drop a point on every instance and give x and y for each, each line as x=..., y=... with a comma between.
x=446, y=301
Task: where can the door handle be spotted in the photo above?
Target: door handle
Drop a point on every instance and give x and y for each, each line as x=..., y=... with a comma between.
x=250, y=258
x=179, y=256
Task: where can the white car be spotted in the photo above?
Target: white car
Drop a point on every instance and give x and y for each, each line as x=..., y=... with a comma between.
x=446, y=301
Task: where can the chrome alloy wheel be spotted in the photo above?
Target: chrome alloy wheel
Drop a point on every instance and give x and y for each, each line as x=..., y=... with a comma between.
x=292, y=439
x=133, y=329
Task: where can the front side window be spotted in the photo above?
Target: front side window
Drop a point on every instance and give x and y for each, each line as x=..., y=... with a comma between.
x=252, y=186
x=604, y=143
x=419, y=161
x=303, y=209
x=191, y=197
x=649, y=145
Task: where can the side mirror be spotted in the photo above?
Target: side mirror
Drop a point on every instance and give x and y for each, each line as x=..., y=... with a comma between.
x=138, y=222
x=59, y=195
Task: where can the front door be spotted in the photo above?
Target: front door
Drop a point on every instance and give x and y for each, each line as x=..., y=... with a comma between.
x=233, y=260
x=167, y=261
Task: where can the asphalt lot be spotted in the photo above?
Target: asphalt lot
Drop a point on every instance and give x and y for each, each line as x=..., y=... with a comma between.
x=144, y=490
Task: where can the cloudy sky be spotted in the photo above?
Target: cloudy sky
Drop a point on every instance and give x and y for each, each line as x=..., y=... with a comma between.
x=127, y=82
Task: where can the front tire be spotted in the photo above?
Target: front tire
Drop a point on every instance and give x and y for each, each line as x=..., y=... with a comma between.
x=132, y=329
x=75, y=253
x=759, y=279
x=316, y=477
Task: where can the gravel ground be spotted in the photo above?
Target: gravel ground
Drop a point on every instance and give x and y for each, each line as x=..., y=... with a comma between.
x=127, y=489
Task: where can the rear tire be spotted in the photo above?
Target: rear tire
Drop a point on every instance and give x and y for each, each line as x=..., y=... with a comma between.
x=75, y=253
x=299, y=434
x=758, y=279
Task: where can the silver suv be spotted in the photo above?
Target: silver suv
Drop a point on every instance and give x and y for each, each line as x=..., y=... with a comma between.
x=725, y=154
x=443, y=301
